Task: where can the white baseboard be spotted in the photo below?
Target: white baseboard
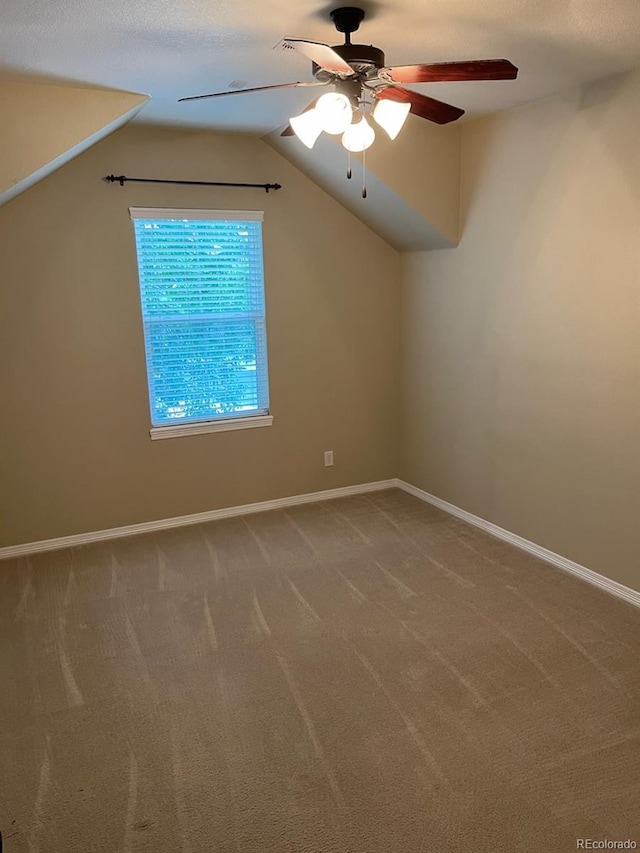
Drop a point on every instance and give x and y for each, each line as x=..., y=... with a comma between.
x=588, y=575
x=185, y=520
x=613, y=587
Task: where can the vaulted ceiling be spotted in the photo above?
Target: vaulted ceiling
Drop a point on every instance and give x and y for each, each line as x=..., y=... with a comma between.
x=168, y=49
x=105, y=51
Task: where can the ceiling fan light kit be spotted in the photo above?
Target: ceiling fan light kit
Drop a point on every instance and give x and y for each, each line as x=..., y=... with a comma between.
x=307, y=127
x=358, y=136
x=363, y=84
x=334, y=112
x=391, y=116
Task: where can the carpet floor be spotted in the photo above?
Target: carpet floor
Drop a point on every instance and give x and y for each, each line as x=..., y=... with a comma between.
x=363, y=675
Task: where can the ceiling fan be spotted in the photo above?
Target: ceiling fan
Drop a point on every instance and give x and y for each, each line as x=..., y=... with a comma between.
x=363, y=84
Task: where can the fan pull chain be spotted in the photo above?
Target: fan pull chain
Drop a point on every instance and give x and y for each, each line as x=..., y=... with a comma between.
x=364, y=174
x=349, y=165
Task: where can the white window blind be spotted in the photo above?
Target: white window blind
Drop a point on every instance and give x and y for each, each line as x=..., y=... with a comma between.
x=202, y=294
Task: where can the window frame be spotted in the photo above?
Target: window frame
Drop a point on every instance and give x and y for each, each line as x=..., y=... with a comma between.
x=240, y=420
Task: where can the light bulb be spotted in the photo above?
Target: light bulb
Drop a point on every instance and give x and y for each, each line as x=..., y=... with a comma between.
x=307, y=127
x=391, y=116
x=358, y=136
x=334, y=112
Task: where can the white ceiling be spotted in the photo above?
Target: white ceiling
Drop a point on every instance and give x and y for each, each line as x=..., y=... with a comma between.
x=171, y=48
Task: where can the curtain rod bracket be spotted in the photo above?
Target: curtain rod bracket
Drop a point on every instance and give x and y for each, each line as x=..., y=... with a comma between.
x=122, y=179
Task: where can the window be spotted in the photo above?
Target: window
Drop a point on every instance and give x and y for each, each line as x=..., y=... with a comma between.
x=202, y=294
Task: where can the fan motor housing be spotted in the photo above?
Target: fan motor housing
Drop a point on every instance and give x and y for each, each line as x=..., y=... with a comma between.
x=365, y=59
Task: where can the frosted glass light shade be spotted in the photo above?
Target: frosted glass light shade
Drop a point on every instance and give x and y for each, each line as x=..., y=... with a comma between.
x=391, y=116
x=358, y=136
x=307, y=127
x=334, y=112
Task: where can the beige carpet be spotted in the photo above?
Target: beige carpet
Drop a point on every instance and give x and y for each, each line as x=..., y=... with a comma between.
x=366, y=675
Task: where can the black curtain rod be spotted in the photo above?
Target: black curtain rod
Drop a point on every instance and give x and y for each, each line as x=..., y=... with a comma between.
x=120, y=179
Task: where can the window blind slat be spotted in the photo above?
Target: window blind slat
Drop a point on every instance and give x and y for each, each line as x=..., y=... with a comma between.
x=155, y=213
x=202, y=295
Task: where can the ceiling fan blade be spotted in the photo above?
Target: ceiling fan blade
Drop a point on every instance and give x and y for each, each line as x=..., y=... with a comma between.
x=444, y=72
x=289, y=131
x=421, y=105
x=321, y=54
x=254, y=89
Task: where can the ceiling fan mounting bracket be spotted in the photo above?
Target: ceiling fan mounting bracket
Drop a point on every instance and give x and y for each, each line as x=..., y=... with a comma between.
x=364, y=59
x=347, y=19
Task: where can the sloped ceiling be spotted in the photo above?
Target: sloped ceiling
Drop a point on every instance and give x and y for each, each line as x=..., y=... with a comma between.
x=412, y=184
x=170, y=49
x=45, y=126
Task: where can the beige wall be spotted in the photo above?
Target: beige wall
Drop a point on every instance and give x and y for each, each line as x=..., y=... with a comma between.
x=75, y=453
x=422, y=167
x=520, y=357
x=521, y=348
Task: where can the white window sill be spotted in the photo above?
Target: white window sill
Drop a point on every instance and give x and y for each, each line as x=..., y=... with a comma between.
x=223, y=425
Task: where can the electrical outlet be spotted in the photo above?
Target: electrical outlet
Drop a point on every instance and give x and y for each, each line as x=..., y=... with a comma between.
x=328, y=458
